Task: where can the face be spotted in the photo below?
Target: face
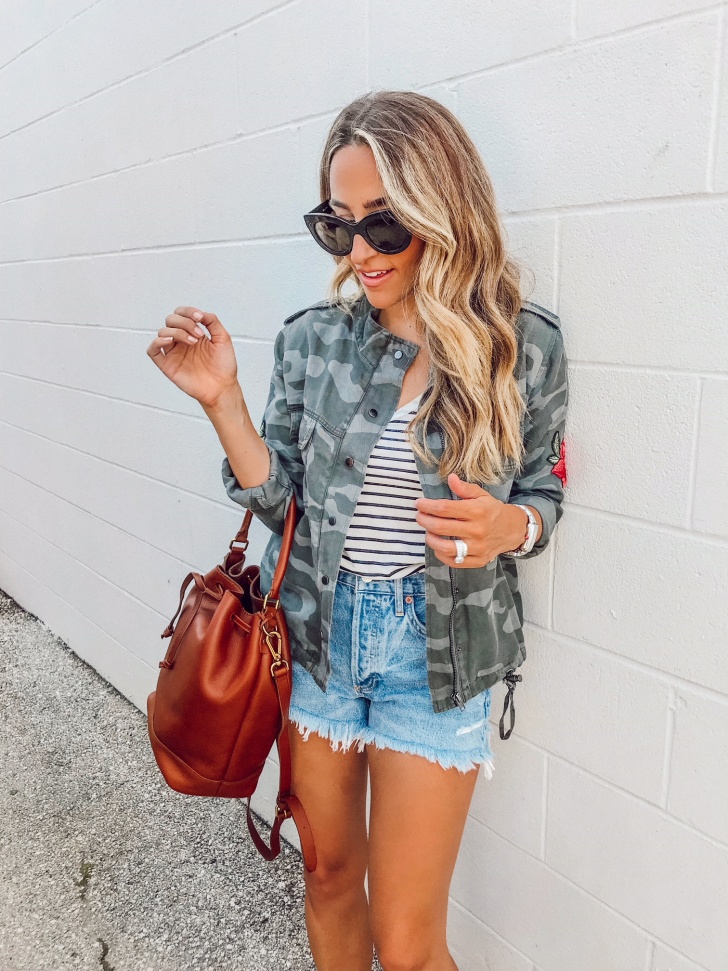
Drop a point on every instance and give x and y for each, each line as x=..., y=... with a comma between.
x=356, y=191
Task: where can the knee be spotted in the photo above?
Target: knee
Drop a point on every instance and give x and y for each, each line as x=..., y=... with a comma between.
x=407, y=952
x=335, y=878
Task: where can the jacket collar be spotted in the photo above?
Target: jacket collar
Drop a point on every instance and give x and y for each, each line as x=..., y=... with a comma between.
x=372, y=338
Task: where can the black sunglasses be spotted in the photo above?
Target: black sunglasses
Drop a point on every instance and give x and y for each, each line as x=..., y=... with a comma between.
x=336, y=235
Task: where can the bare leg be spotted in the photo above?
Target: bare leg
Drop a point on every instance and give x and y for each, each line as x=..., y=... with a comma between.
x=332, y=787
x=418, y=813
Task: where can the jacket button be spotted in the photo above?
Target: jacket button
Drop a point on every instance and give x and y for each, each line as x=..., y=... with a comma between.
x=349, y=461
x=373, y=412
x=398, y=354
x=332, y=520
x=324, y=579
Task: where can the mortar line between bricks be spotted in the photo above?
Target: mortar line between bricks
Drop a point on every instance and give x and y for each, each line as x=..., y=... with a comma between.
x=641, y=667
x=556, y=292
x=665, y=370
x=105, y=397
x=141, y=539
x=551, y=582
x=288, y=126
x=508, y=944
x=193, y=48
x=574, y=21
x=45, y=37
x=650, y=954
x=278, y=240
x=202, y=419
x=163, y=617
x=714, y=138
x=75, y=610
x=367, y=44
x=646, y=803
x=667, y=752
x=243, y=338
x=576, y=886
x=113, y=465
x=545, y=805
x=121, y=468
x=709, y=539
x=610, y=207
x=564, y=49
x=694, y=458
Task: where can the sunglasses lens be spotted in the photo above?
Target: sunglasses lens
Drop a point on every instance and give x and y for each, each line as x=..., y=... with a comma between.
x=387, y=235
x=332, y=236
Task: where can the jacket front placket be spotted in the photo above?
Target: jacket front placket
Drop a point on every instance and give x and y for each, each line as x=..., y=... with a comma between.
x=441, y=591
x=387, y=357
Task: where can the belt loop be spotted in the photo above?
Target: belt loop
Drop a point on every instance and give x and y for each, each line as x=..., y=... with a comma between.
x=399, y=596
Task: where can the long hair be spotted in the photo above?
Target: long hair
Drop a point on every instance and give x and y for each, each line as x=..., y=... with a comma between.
x=467, y=290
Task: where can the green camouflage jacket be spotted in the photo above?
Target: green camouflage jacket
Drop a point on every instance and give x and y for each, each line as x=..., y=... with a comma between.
x=335, y=385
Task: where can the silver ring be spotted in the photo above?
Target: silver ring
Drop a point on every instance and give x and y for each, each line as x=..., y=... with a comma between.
x=461, y=548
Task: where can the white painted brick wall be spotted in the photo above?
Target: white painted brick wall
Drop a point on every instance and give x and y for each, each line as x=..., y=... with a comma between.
x=158, y=154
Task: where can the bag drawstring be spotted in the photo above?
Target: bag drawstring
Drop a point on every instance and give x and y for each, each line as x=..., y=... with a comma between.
x=511, y=678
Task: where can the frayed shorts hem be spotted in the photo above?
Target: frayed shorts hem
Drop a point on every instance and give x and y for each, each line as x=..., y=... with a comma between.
x=342, y=737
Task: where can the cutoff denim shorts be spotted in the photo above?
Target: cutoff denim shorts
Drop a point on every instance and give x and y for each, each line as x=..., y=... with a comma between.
x=378, y=690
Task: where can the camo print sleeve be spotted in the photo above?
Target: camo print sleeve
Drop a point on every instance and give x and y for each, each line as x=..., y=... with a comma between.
x=269, y=501
x=540, y=482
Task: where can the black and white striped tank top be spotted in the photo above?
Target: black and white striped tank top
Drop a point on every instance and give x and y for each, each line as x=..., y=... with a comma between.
x=383, y=540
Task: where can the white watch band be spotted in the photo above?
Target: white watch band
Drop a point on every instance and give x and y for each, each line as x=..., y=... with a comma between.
x=530, y=540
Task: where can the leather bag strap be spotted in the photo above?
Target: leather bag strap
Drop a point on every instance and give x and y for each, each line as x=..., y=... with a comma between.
x=285, y=551
x=287, y=805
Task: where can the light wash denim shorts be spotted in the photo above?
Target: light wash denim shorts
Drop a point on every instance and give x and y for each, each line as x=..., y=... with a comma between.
x=378, y=691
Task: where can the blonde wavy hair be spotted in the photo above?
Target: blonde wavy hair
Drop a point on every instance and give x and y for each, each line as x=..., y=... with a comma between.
x=467, y=290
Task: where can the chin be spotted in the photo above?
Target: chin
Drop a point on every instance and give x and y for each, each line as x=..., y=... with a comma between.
x=379, y=300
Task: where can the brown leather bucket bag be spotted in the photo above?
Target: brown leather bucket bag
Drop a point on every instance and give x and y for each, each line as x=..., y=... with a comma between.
x=224, y=689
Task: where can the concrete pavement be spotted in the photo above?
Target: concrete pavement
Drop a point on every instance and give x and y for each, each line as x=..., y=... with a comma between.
x=102, y=866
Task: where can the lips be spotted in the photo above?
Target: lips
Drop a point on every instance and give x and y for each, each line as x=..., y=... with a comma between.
x=375, y=281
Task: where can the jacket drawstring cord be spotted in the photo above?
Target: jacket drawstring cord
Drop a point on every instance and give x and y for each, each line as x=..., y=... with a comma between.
x=511, y=678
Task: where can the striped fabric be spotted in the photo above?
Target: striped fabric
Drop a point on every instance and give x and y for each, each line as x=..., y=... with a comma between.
x=383, y=540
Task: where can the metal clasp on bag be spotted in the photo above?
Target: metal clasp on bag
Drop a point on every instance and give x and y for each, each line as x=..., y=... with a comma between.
x=283, y=811
x=273, y=603
x=278, y=661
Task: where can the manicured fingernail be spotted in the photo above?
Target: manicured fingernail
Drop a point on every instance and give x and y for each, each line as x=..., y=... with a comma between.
x=200, y=331
x=197, y=316
x=168, y=338
x=191, y=339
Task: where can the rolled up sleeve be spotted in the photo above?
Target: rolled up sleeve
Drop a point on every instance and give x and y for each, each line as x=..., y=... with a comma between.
x=539, y=481
x=269, y=501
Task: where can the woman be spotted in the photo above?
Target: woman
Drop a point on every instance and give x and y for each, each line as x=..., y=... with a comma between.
x=418, y=425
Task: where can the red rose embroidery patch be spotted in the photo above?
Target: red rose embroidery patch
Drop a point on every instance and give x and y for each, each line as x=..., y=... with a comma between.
x=558, y=456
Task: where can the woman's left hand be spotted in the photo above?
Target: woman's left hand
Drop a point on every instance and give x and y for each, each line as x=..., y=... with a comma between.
x=488, y=526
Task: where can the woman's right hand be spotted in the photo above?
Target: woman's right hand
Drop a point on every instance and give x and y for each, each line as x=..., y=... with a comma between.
x=204, y=368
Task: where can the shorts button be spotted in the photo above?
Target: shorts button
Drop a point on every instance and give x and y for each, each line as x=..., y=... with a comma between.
x=349, y=461
x=324, y=579
x=408, y=599
x=332, y=520
x=398, y=354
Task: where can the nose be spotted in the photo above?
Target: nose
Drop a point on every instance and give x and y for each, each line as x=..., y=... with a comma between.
x=361, y=251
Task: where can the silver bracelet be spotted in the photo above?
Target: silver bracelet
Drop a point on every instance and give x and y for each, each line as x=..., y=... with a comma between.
x=531, y=534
